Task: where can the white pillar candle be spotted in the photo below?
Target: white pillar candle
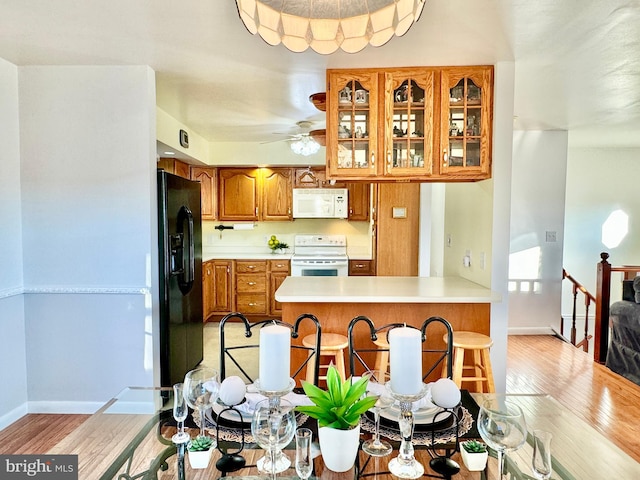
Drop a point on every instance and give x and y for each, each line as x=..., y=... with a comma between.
x=405, y=359
x=275, y=351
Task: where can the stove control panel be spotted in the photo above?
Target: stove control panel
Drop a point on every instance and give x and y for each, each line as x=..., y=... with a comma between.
x=320, y=240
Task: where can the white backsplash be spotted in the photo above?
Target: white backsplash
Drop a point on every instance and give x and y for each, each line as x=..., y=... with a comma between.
x=255, y=241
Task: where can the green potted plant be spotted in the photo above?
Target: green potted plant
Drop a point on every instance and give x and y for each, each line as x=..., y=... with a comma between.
x=337, y=410
x=474, y=455
x=199, y=452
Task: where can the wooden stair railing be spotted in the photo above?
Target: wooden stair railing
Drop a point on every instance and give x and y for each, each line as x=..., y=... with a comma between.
x=588, y=298
x=603, y=302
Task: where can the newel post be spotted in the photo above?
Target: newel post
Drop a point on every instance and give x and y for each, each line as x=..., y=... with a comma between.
x=603, y=298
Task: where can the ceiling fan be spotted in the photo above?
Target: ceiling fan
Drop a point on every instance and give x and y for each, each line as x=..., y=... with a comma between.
x=306, y=142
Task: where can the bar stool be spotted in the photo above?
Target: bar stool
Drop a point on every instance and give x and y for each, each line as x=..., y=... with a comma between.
x=382, y=356
x=481, y=372
x=331, y=345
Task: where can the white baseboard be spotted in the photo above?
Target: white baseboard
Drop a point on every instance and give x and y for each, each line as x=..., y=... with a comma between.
x=531, y=331
x=12, y=416
x=65, y=407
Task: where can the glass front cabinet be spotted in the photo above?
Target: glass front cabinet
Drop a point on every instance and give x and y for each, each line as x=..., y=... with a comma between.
x=386, y=124
x=467, y=113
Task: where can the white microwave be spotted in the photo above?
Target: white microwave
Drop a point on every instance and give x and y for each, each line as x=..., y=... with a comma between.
x=320, y=203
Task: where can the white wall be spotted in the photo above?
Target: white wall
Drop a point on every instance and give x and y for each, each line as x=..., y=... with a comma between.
x=502, y=157
x=13, y=374
x=468, y=223
x=89, y=232
x=599, y=181
x=539, y=171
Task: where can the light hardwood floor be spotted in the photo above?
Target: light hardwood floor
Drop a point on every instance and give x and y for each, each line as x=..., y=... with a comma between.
x=536, y=364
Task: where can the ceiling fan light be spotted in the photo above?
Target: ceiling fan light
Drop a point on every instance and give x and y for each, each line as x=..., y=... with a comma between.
x=305, y=146
x=326, y=25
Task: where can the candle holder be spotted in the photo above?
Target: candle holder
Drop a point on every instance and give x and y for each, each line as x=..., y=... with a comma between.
x=405, y=464
x=281, y=461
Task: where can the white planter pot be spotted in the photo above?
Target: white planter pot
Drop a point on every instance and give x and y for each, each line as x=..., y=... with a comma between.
x=199, y=459
x=474, y=462
x=339, y=447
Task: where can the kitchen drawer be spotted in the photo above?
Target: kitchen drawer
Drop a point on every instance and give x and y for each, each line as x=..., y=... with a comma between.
x=248, y=303
x=251, y=266
x=361, y=267
x=248, y=283
x=279, y=265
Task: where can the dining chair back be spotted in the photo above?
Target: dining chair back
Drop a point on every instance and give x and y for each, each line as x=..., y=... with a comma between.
x=369, y=346
x=243, y=355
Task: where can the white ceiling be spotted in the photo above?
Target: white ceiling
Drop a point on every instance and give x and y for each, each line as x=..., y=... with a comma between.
x=577, y=62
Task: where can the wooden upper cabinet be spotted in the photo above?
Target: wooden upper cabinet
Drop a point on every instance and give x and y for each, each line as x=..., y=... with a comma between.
x=408, y=124
x=277, y=193
x=466, y=104
x=352, y=123
x=238, y=194
x=174, y=166
x=359, y=201
x=207, y=178
x=397, y=123
x=255, y=194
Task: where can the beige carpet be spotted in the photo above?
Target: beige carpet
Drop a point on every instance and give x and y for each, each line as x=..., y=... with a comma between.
x=234, y=335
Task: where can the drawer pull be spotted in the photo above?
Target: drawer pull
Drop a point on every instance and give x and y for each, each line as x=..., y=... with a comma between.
x=279, y=265
x=359, y=265
x=252, y=283
x=252, y=304
x=251, y=266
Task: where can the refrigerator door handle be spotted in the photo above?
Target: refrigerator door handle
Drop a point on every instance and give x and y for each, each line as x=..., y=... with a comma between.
x=185, y=281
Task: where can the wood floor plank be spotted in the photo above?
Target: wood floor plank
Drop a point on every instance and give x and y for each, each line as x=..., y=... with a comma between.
x=37, y=433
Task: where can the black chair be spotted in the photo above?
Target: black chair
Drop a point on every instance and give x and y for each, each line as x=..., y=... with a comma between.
x=364, y=348
x=230, y=352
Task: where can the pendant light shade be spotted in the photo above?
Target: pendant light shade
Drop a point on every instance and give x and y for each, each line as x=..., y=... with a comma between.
x=326, y=25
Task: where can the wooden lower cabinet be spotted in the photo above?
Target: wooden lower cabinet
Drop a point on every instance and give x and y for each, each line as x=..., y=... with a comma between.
x=222, y=297
x=245, y=286
x=362, y=268
x=251, y=286
x=278, y=271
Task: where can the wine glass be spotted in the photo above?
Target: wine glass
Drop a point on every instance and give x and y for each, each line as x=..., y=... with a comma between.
x=304, y=462
x=541, y=460
x=180, y=412
x=502, y=426
x=201, y=387
x=273, y=427
x=377, y=386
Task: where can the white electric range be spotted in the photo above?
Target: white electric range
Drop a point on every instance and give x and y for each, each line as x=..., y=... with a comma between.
x=320, y=255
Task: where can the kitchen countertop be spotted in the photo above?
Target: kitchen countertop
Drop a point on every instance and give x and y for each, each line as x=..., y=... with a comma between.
x=361, y=289
x=245, y=256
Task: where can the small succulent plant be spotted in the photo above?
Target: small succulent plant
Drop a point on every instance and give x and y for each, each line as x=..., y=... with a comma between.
x=473, y=446
x=200, y=444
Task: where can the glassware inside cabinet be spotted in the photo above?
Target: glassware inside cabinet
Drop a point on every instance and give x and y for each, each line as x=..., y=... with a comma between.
x=473, y=93
x=354, y=128
x=456, y=155
x=473, y=153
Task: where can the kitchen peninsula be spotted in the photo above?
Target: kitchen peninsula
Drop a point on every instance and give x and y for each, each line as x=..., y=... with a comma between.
x=335, y=301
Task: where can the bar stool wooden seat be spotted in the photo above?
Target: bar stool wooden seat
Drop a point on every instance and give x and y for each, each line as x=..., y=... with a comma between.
x=332, y=346
x=480, y=371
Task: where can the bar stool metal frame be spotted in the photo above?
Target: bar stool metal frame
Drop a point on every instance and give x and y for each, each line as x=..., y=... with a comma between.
x=228, y=351
x=441, y=462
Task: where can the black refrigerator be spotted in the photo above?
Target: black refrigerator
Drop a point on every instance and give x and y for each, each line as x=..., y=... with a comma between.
x=180, y=272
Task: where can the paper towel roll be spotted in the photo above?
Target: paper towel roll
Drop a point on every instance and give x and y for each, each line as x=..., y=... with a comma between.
x=243, y=226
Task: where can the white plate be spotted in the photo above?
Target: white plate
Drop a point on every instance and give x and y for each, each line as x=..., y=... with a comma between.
x=230, y=415
x=422, y=416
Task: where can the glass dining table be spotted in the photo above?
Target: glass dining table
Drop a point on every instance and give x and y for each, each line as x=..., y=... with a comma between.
x=130, y=438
